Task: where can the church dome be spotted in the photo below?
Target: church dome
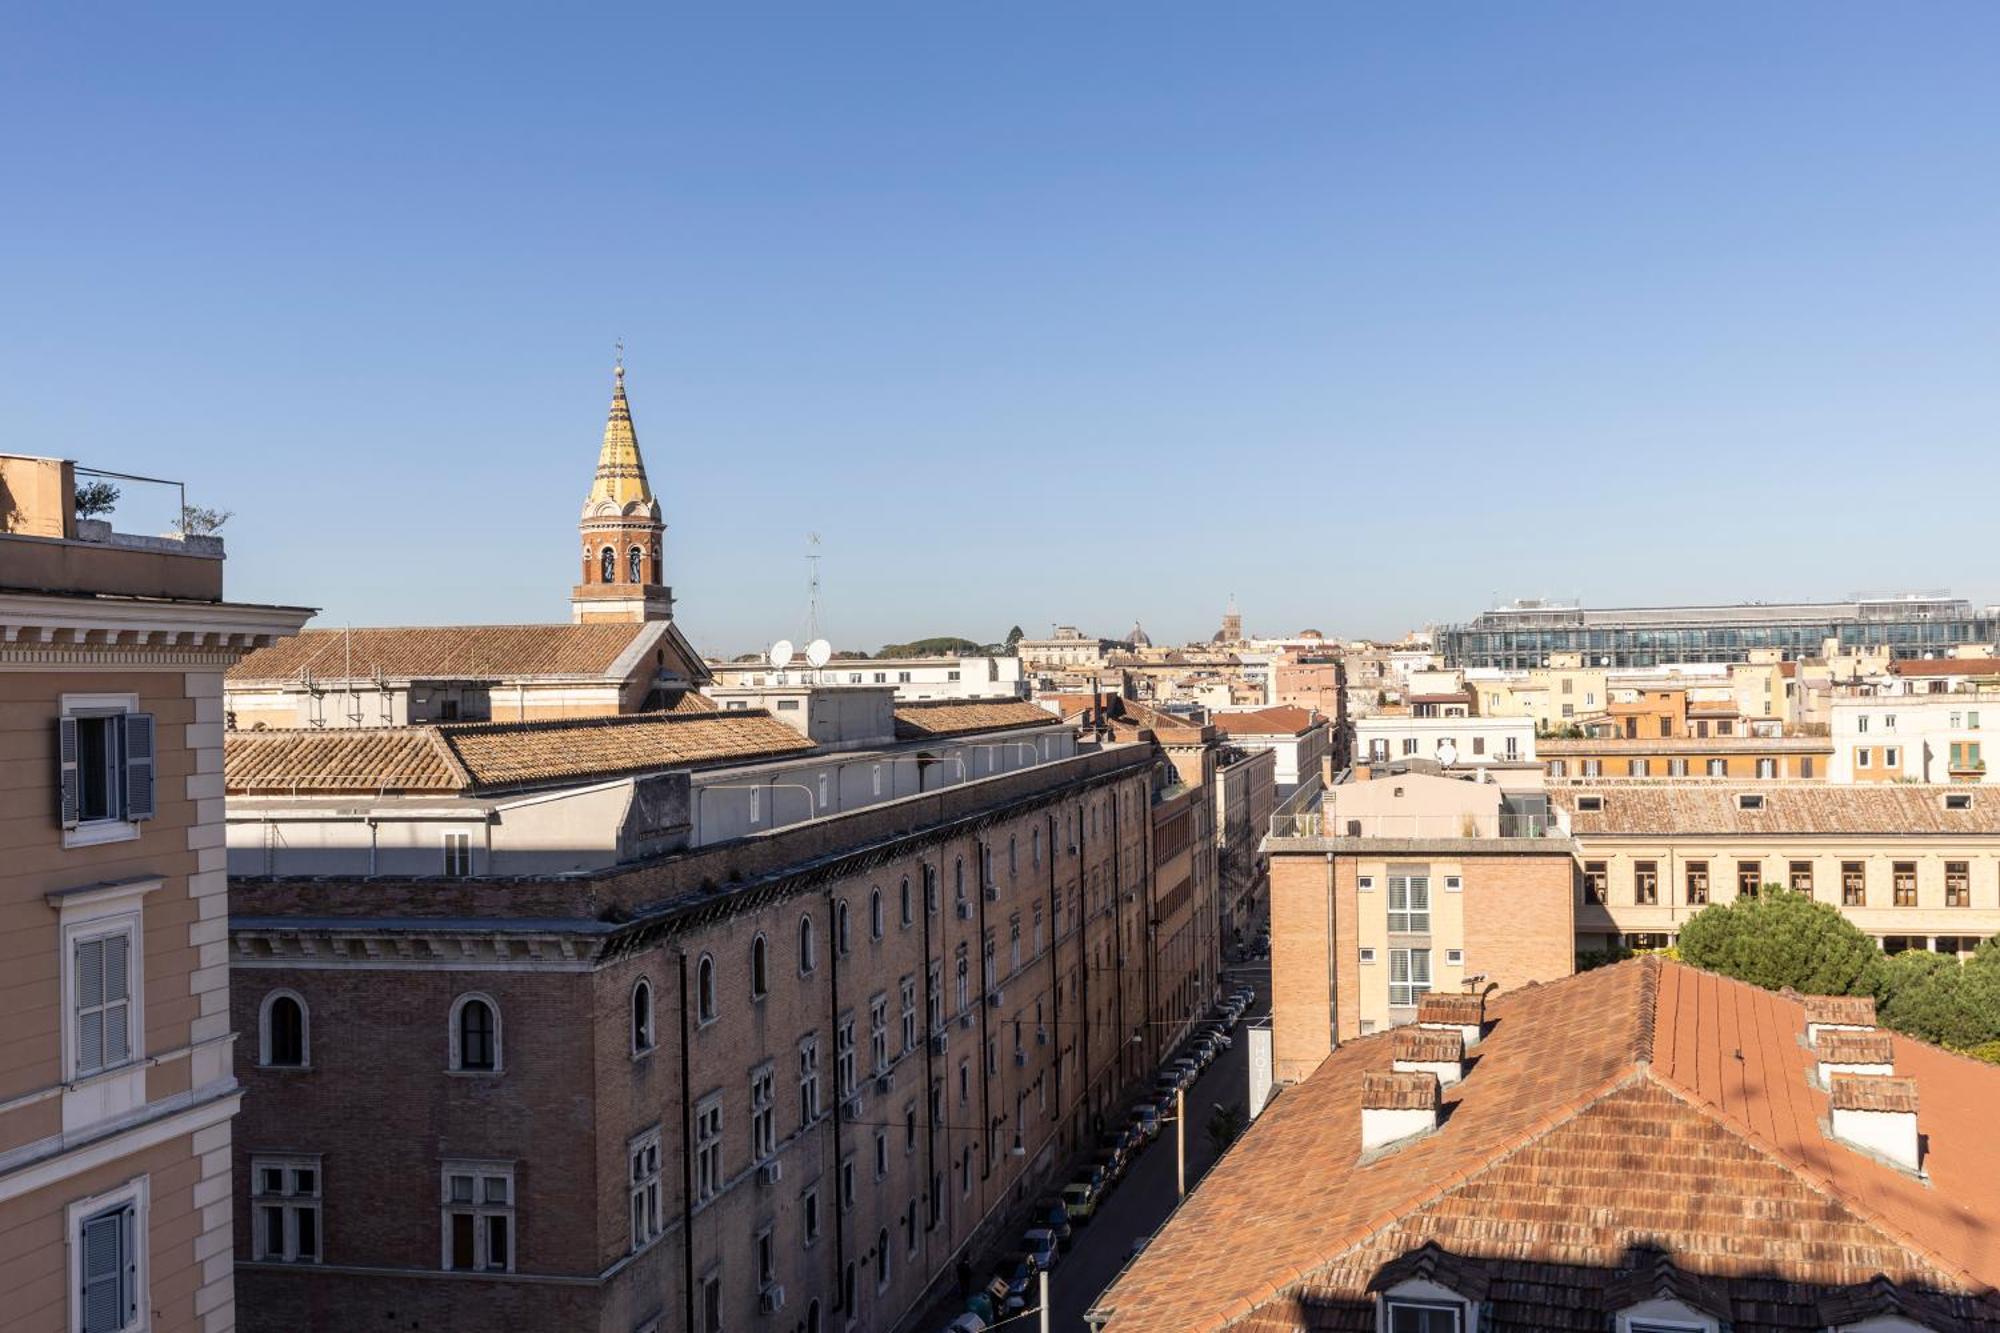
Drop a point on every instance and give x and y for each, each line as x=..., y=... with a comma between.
x=1138, y=637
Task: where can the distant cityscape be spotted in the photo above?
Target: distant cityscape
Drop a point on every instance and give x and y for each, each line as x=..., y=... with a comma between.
x=560, y=976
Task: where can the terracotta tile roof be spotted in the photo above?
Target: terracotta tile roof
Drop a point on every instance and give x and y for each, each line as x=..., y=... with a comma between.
x=341, y=759
x=1873, y=1092
x=497, y=756
x=1642, y=805
x=442, y=652
x=1631, y=1112
x=1837, y=1046
x=1460, y=1009
x=927, y=719
x=1428, y=1045
x=1284, y=721
x=1848, y=1010
x=1382, y=1091
x=1947, y=666
x=1687, y=745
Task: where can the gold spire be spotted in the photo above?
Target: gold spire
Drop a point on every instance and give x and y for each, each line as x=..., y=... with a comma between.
x=621, y=472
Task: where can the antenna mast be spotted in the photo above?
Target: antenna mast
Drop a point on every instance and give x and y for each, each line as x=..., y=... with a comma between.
x=812, y=587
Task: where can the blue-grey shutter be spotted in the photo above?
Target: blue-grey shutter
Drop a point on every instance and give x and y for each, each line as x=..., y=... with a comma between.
x=139, y=800
x=110, y=1283
x=71, y=807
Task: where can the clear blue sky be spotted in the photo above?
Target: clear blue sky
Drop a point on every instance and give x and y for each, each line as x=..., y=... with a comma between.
x=1075, y=313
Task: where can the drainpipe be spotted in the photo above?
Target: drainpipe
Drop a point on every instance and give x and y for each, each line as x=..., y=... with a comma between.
x=987, y=982
x=1083, y=963
x=839, y=1116
x=1055, y=973
x=933, y=1003
x=687, y=1150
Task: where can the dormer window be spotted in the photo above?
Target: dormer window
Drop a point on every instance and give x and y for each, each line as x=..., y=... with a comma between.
x=1749, y=801
x=1591, y=803
x=1665, y=1315
x=1958, y=800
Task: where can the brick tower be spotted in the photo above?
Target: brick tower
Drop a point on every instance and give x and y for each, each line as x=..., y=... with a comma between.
x=624, y=577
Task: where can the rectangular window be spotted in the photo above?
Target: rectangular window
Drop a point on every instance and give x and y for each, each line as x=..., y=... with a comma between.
x=808, y=1081
x=1677, y=768
x=1636, y=768
x=1592, y=768
x=1409, y=976
x=1861, y=758
x=708, y=1150
x=843, y=1057
x=1958, y=884
x=909, y=1012
x=1594, y=879
x=643, y=1182
x=108, y=1258
x=763, y=1113
x=1697, y=883
x=1423, y=1317
x=878, y=1032
x=479, y=1217
x=1853, y=884
x=847, y=1182
x=284, y=1208
x=1646, y=883
x=1409, y=904
x=1889, y=756
x=1718, y=768
x=457, y=855
x=809, y=1215
x=1749, y=878
x=1800, y=877
x=104, y=768
x=711, y=1302
x=102, y=977
x=1558, y=768
x=1903, y=883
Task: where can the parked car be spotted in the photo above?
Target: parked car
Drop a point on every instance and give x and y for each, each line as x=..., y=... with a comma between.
x=1054, y=1214
x=1146, y=1119
x=1080, y=1199
x=1018, y=1272
x=989, y=1303
x=1111, y=1167
x=1040, y=1243
x=1217, y=1034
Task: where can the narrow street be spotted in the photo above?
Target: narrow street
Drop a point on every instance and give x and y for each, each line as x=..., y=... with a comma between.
x=1146, y=1196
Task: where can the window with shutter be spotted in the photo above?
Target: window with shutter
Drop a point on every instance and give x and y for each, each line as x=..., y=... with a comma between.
x=107, y=1296
x=71, y=808
x=103, y=1002
x=138, y=738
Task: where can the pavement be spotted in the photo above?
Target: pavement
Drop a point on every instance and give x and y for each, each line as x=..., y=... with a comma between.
x=1148, y=1193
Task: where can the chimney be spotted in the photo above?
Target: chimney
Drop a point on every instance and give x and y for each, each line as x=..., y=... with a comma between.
x=1463, y=1014
x=1396, y=1107
x=1876, y=1113
x=1845, y=1051
x=1439, y=1051
x=1838, y=1013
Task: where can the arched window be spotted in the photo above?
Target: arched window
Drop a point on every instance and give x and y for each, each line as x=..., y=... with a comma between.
x=759, y=982
x=1035, y=846
x=658, y=577
x=840, y=938
x=704, y=990
x=907, y=910
x=882, y=1258
x=812, y=1317
x=958, y=887
x=808, y=959
x=635, y=561
x=1013, y=857
x=642, y=1016
x=607, y=566
x=283, y=1043
x=475, y=1035
x=875, y=914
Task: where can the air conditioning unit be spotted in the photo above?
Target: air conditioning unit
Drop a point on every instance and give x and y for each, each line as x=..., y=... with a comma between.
x=853, y=1108
x=771, y=1172
x=992, y=893
x=1020, y=1059
x=995, y=998
x=940, y=1043
x=770, y=1300
x=965, y=911
x=965, y=1020
x=1041, y=1036
x=885, y=1082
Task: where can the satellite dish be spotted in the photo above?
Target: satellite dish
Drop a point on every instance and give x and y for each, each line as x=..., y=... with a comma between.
x=781, y=654
x=818, y=653
x=1447, y=753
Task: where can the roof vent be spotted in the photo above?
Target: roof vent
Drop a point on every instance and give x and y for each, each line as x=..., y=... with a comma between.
x=1439, y=1051
x=1838, y=1013
x=1395, y=1107
x=1463, y=1014
x=1877, y=1113
x=1845, y=1051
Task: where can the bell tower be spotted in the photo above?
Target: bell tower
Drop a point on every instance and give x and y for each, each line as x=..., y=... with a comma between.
x=624, y=576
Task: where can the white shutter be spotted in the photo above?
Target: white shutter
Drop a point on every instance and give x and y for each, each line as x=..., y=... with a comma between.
x=139, y=799
x=71, y=808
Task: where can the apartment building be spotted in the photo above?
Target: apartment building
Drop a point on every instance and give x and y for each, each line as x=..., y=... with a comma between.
x=785, y=1078
x=912, y=678
x=1912, y=738
x=1915, y=866
x=1387, y=889
x=1300, y=739
x=1642, y=1147
x=1393, y=737
x=1716, y=757
x=117, y=1089
x=1245, y=797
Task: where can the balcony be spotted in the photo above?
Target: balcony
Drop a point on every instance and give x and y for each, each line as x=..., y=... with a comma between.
x=1426, y=828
